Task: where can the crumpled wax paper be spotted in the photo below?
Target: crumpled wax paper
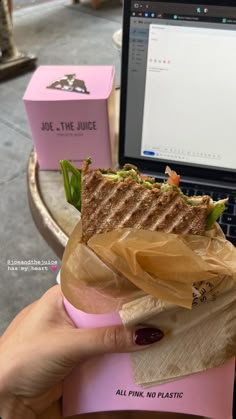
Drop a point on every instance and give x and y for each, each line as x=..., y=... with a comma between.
x=154, y=277
x=91, y=285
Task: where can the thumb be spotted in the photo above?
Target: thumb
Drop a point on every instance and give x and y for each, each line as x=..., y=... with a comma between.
x=85, y=343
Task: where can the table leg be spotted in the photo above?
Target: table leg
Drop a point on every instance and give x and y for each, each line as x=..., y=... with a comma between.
x=7, y=46
x=10, y=7
x=96, y=4
x=12, y=62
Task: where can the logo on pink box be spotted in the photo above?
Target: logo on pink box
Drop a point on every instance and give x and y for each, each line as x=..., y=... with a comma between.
x=106, y=383
x=69, y=83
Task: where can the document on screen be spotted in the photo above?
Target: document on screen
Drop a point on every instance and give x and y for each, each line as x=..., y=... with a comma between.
x=190, y=95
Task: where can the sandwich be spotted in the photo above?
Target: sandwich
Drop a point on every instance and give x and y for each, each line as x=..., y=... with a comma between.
x=125, y=198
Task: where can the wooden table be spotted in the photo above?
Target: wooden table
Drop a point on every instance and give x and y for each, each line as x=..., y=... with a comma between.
x=53, y=216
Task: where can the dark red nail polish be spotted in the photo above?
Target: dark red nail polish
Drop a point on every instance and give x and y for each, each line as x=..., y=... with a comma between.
x=147, y=335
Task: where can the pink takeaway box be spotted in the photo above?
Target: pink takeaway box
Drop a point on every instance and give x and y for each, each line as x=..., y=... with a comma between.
x=71, y=114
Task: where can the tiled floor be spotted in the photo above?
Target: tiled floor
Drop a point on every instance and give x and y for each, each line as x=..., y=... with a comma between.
x=58, y=33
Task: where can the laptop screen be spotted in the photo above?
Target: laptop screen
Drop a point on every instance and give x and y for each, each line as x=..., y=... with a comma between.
x=178, y=102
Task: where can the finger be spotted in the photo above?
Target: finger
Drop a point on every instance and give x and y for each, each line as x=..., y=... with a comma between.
x=89, y=342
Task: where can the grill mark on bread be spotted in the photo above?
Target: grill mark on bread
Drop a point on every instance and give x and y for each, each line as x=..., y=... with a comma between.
x=121, y=204
x=175, y=210
x=191, y=221
x=143, y=208
x=100, y=206
x=146, y=212
x=176, y=221
x=160, y=206
x=107, y=205
x=118, y=210
x=133, y=206
x=89, y=198
x=98, y=190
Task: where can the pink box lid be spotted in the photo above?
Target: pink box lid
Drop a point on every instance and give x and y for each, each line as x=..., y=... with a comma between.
x=59, y=83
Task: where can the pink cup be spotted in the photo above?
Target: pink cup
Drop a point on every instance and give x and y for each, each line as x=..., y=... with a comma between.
x=106, y=383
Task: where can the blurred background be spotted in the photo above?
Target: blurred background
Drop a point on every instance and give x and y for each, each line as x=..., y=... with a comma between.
x=57, y=32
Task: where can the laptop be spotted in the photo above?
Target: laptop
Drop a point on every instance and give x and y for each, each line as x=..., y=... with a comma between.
x=178, y=95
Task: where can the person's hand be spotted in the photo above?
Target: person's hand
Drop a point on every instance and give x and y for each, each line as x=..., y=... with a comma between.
x=42, y=345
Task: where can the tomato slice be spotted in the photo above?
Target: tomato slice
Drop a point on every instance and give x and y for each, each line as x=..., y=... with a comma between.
x=173, y=178
x=148, y=178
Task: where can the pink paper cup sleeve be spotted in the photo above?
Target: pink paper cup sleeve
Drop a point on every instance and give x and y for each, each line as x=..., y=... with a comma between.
x=106, y=383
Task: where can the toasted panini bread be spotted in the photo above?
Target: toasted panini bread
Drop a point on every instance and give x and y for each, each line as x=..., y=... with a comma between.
x=112, y=200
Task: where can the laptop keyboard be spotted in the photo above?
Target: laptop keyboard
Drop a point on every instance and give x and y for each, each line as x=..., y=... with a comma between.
x=227, y=220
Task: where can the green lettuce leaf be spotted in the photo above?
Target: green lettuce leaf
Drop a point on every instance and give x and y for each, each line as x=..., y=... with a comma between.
x=72, y=183
x=214, y=215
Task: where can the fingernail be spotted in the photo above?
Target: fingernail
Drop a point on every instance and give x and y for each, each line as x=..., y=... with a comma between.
x=147, y=335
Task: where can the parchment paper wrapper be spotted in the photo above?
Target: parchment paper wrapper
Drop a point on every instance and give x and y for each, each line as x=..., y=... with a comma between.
x=89, y=284
x=157, y=278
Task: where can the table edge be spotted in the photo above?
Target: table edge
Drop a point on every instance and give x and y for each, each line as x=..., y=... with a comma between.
x=47, y=226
